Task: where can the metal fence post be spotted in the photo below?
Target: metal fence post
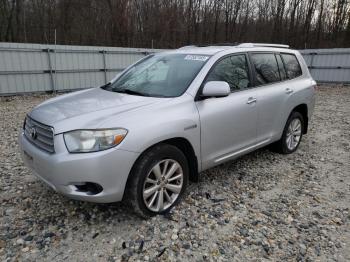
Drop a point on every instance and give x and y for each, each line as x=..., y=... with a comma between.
x=103, y=52
x=312, y=61
x=48, y=50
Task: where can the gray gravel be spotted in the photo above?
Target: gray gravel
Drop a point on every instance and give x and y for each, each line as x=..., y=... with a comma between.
x=260, y=207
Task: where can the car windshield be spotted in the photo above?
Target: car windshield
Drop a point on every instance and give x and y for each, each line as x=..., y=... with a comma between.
x=159, y=75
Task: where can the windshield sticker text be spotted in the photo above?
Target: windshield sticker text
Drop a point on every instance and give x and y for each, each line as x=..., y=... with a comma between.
x=196, y=57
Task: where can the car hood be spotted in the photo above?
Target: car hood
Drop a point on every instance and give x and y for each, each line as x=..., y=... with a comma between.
x=87, y=108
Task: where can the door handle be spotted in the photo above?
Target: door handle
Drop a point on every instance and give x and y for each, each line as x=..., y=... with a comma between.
x=251, y=100
x=289, y=91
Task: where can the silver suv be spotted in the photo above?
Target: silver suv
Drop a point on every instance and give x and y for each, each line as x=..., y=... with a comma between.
x=166, y=118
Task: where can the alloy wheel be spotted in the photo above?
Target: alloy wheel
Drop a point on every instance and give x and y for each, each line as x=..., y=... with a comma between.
x=163, y=185
x=293, y=134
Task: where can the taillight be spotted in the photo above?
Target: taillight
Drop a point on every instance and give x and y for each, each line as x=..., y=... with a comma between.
x=314, y=84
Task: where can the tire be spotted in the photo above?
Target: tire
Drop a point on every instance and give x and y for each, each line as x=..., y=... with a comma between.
x=283, y=145
x=166, y=157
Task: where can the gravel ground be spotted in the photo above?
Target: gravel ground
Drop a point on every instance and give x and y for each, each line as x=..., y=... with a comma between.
x=263, y=206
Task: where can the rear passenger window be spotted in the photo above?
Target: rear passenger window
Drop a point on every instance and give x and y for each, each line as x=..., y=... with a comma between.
x=266, y=68
x=283, y=73
x=292, y=65
x=233, y=70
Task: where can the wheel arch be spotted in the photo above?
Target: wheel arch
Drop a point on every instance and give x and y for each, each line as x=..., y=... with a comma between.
x=303, y=110
x=186, y=148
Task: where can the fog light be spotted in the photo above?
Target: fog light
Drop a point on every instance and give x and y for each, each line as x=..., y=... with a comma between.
x=89, y=188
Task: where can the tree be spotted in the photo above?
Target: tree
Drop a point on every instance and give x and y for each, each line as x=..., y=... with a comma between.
x=173, y=23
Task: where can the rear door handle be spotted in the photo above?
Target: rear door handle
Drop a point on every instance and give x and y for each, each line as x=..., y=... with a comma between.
x=251, y=100
x=289, y=91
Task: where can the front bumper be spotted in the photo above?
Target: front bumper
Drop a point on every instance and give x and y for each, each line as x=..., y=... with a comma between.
x=62, y=170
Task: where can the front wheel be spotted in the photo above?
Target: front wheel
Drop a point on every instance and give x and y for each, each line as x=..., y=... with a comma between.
x=292, y=134
x=158, y=180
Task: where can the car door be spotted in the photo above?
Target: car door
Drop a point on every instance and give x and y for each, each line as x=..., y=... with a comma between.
x=228, y=124
x=270, y=93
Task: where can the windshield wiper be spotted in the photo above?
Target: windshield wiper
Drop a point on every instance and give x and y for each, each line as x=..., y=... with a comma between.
x=130, y=92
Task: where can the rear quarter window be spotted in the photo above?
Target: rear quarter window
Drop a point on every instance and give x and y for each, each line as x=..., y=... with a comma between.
x=292, y=65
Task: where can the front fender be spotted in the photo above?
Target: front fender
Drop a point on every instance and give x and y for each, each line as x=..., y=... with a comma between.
x=176, y=119
x=140, y=139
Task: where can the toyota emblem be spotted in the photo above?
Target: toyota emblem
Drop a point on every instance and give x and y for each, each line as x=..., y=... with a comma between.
x=33, y=133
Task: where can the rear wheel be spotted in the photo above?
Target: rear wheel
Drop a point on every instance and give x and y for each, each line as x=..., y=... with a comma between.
x=292, y=134
x=158, y=180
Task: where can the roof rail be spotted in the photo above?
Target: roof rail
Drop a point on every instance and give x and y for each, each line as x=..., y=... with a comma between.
x=187, y=46
x=262, y=45
x=238, y=45
x=222, y=44
x=207, y=45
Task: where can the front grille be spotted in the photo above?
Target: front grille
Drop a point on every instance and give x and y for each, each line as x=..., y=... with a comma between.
x=39, y=134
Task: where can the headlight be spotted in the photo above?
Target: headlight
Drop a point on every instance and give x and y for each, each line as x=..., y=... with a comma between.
x=93, y=140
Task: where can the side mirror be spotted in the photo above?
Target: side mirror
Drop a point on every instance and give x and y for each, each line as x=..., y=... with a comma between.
x=216, y=89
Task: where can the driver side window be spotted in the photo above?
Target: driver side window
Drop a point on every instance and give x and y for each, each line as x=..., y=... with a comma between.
x=233, y=70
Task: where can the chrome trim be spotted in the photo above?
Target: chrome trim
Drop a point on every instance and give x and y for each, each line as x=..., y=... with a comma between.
x=42, y=136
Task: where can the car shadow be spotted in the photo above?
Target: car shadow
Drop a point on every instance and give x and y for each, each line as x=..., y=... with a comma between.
x=92, y=213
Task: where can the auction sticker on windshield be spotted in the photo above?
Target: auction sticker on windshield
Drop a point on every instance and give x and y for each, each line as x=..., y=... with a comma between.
x=196, y=57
